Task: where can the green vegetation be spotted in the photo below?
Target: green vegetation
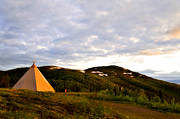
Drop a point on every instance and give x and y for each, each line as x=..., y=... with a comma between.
x=18, y=104
x=155, y=103
x=30, y=104
x=118, y=80
x=116, y=85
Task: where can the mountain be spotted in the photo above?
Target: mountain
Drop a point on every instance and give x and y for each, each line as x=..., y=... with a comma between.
x=98, y=92
x=136, y=82
x=174, y=81
x=110, y=79
x=170, y=79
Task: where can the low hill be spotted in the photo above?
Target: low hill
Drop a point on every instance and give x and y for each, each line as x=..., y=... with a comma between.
x=111, y=80
x=139, y=83
x=98, y=92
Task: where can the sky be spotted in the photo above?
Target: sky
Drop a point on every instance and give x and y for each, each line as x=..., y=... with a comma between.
x=141, y=35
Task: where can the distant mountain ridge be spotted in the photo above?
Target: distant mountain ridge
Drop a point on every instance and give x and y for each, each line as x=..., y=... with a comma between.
x=170, y=79
x=174, y=81
x=112, y=79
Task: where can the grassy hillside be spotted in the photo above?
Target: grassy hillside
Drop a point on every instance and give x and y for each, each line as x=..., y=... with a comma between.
x=30, y=104
x=111, y=80
x=139, y=83
x=18, y=104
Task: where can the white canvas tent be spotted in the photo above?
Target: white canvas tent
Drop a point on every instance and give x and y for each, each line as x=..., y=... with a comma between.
x=34, y=80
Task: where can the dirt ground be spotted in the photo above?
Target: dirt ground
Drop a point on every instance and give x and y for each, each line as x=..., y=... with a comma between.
x=138, y=112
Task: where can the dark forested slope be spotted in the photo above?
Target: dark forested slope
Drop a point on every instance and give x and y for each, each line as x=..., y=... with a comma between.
x=110, y=79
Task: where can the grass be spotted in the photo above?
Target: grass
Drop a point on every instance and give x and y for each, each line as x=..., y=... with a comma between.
x=118, y=95
x=18, y=104
x=30, y=104
x=154, y=103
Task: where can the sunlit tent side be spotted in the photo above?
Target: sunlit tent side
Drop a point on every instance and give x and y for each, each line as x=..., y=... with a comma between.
x=34, y=80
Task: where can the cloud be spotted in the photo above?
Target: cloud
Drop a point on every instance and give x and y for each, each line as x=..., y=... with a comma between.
x=174, y=34
x=135, y=40
x=101, y=13
x=158, y=51
x=148, y=71
x=74, y=33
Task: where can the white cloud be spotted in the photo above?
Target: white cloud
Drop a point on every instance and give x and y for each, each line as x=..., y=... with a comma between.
x=101, y=13
x=39, y=47
x=174, y=34
x=92, y=38
x=133, y=39
x=83, y=34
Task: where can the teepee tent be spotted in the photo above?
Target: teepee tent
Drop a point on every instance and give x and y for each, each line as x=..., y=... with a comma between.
x=34, y=80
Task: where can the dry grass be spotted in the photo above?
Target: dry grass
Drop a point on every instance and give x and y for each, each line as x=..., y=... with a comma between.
x=29, y=105
x=138, y=112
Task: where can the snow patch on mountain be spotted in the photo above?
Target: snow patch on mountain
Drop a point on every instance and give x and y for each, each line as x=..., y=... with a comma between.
x=55, y=67
x=99, y=73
